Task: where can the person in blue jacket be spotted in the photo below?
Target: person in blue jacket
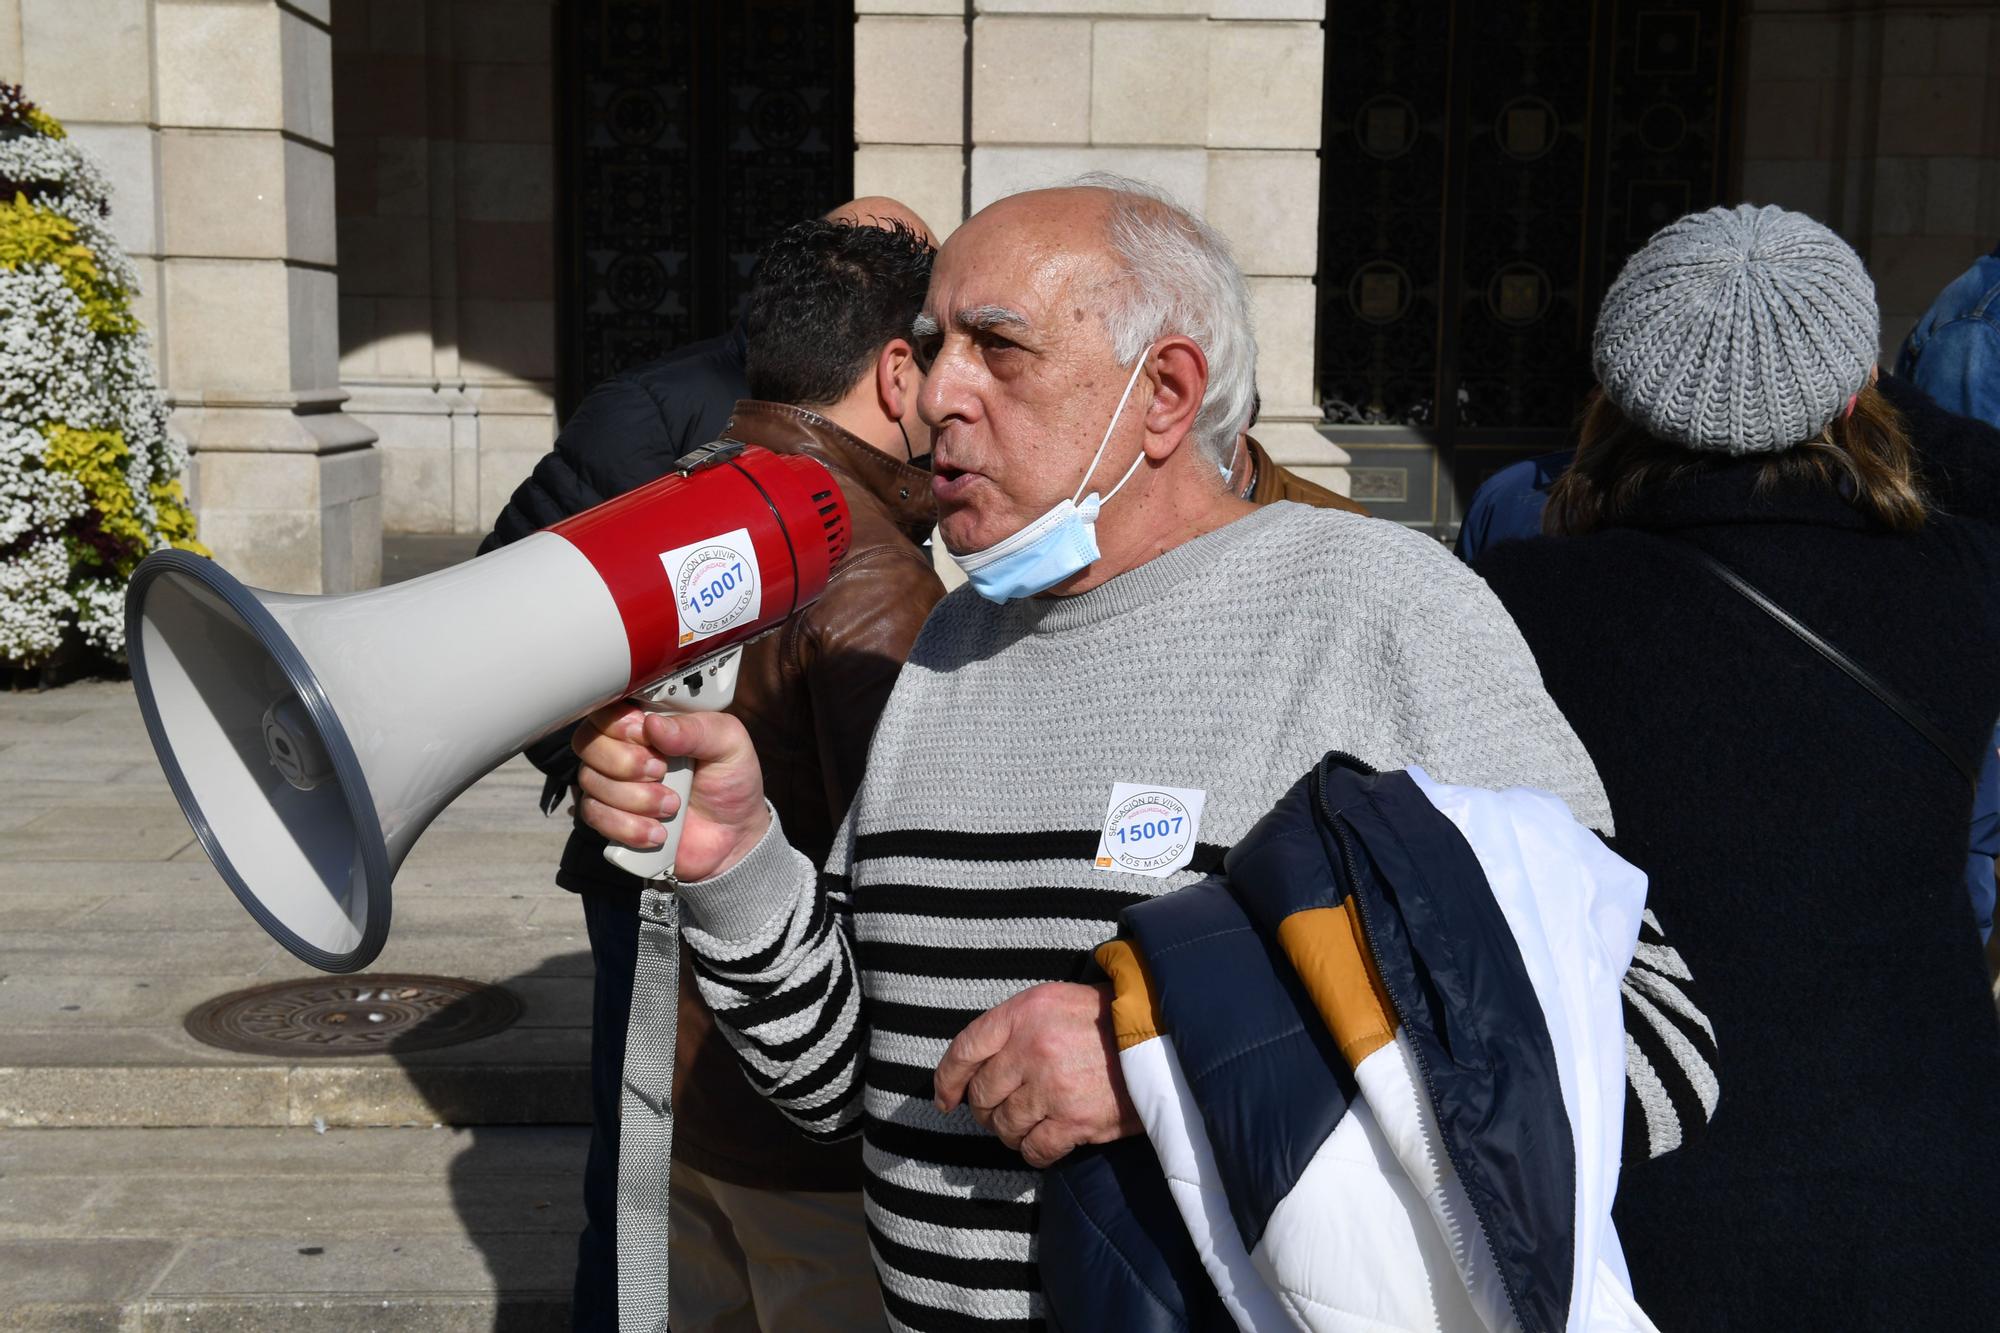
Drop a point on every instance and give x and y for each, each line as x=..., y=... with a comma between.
x=1953, y=354
x=1508, y=505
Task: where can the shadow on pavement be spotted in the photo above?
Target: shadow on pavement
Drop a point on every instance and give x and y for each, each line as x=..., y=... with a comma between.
x=517, y=1184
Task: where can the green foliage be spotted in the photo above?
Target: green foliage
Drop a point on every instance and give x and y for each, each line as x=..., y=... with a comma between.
x=115, y=535
x=32, y=234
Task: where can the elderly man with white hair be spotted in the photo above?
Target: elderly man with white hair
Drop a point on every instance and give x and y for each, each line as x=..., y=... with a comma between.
x=1141, y=666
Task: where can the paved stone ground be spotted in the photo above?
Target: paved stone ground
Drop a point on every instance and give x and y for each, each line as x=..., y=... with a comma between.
x=148, y=1181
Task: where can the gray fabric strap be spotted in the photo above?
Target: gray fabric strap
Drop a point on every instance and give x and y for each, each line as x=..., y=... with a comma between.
x=645, y=1115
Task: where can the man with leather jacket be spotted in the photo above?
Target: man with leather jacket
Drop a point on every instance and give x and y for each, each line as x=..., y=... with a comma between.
x=767, y=1228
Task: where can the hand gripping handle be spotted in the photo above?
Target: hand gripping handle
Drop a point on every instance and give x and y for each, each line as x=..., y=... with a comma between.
x=709, y=686
x=658, y=862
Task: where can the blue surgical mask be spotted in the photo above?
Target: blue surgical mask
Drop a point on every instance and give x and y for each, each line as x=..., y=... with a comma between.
x=1056, y=545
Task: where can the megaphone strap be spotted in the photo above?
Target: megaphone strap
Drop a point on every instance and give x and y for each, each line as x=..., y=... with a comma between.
x=646, y=1116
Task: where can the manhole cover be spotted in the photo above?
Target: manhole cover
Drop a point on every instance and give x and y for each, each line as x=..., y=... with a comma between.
x=359, y=1015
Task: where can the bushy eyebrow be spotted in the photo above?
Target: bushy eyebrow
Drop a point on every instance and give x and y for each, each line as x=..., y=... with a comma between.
x=976, y=318
x=990, y=316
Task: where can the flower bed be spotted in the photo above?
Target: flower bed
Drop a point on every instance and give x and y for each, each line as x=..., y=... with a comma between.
x=90, y=478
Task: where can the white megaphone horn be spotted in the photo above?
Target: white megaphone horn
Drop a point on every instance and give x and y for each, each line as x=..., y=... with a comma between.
x=311, y=740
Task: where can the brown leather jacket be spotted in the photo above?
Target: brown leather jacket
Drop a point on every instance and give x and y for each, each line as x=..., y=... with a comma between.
x=809, y=695
x=1271, y=482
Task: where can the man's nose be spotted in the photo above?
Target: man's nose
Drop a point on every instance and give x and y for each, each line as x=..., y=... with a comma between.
x=942, y=397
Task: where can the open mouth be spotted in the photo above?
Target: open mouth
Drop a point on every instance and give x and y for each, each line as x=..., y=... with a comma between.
x=948, y=482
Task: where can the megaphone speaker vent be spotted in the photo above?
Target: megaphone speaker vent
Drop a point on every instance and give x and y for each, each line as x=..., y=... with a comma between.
x=833, y=518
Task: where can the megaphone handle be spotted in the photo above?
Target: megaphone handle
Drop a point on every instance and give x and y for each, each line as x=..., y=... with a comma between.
x=658, y=862
x=708, y=686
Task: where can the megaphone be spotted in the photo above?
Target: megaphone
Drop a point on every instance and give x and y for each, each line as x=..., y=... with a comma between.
x=311, y=740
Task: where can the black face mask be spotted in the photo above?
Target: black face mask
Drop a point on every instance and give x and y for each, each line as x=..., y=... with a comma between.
x=922, y=460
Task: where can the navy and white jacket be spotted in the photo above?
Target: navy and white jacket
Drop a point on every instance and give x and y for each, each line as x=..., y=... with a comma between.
x=1382, y=1068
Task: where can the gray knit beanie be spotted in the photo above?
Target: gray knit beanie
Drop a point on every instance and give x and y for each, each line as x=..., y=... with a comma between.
x=1742, y=330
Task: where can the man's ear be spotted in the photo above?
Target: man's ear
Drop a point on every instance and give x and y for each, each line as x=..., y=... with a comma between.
x=896, y=379
x=1180, y=379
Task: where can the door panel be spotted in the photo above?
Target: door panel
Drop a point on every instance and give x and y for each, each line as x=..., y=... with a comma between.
x=689, y=135
x=1485, y=169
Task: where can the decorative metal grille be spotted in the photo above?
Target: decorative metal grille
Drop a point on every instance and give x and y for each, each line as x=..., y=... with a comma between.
x=690, y=135
x=1485, y=169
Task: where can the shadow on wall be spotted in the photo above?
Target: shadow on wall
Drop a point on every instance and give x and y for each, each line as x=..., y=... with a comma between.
x=517, y=1185
x=444, y=201
x=453, y=167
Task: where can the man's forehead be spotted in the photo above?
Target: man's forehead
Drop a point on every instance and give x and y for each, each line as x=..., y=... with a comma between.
x=1020, y=279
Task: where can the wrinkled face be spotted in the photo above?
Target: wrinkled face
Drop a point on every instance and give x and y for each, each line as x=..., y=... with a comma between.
x=1022, y=380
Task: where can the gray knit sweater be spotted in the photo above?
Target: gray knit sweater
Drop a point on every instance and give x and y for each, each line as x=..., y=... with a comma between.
x=968, y=869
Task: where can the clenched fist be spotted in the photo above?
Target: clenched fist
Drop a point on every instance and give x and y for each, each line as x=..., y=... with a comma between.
x=624, y=750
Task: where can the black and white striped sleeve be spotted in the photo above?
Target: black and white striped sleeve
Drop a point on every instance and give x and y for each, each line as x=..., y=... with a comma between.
x=1671, y=1089
x=783, y=990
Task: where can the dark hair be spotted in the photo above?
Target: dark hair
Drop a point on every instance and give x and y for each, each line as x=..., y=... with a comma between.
x=1864, y=456
x=825, y=298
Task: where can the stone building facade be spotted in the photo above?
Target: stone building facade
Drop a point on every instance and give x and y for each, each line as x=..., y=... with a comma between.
x=350, y=225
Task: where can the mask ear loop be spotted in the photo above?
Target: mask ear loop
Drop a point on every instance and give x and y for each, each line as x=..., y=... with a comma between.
x=1097, y=457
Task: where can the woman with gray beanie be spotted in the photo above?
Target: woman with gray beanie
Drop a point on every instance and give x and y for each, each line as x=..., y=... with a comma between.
x=1786, y=663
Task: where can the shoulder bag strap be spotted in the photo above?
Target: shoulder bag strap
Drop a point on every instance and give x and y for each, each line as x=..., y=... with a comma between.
x=1895, y=702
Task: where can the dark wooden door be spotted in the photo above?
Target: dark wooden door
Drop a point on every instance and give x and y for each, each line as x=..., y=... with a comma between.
x=1485, y=169
x=689, y=134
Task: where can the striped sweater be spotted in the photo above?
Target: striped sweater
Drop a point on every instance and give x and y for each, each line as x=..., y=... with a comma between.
x=968, y=869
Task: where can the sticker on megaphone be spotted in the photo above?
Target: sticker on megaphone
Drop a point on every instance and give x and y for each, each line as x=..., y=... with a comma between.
x=715, y=583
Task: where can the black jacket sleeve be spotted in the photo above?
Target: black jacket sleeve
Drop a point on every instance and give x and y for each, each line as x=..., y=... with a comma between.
x=616, y=439
x=627, y=431
x=616, y=433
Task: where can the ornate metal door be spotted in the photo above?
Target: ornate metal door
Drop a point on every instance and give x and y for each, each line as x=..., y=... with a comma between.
x=690, y=134
x=1485, y=169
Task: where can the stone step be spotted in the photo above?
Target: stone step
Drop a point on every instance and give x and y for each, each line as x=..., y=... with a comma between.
x=83, y=1048
x=255, y=1229
x=84, y=1096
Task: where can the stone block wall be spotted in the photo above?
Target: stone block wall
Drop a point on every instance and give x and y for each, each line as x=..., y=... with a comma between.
x=446, y=217
x=1883, y=120
x=214, y=122
x=1215, y=101
x=343, y=211
x=909, y=106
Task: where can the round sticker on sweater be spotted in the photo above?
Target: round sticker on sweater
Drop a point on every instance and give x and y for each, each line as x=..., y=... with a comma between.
x=715, y=584
x=1150, y=830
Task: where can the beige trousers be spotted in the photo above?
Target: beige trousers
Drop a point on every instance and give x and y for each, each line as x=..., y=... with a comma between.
x=775, y=1261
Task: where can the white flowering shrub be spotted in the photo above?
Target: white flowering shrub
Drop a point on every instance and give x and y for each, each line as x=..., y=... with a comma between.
x=90, y=479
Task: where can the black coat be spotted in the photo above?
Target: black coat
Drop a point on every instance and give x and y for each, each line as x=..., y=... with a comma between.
x=627, y=431
x=1806, y=850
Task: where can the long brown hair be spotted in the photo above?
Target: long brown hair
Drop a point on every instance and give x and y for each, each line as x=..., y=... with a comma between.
x=1864, y=456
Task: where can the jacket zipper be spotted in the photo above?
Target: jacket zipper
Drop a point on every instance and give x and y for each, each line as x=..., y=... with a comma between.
x=1349, y=862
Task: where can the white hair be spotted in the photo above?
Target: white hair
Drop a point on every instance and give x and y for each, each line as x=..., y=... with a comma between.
x=1176, y=275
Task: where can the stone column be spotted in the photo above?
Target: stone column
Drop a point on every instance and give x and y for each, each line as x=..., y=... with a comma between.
x=909, y=106
x=288, y=487
x=214, y=119
x=1217, y=102
x=909, y=122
